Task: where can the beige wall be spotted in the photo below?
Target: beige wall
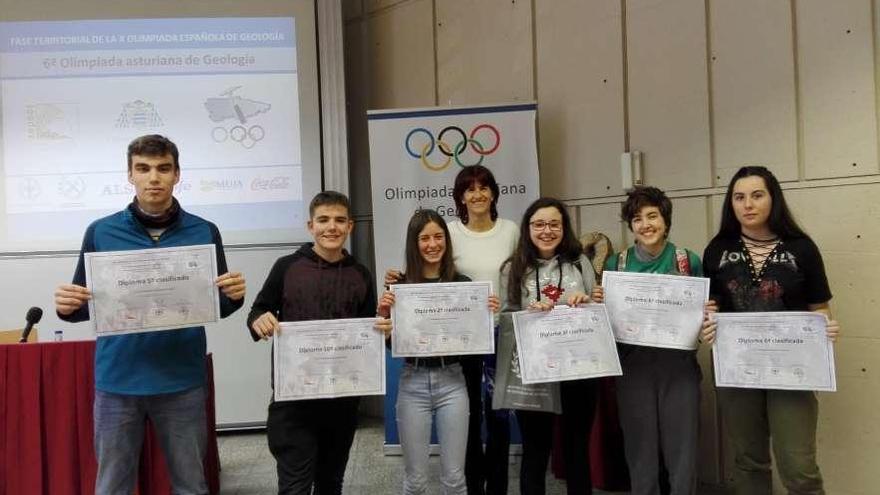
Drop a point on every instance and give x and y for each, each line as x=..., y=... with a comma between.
x=700, y=87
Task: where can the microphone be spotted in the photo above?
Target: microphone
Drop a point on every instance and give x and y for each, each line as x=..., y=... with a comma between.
x=33, y=317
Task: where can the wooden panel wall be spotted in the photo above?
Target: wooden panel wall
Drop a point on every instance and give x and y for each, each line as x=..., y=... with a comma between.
x=484, y=51
x=842, y=221
x=579, y=48
x=836, y=73
x=668, y=91
x=401, y=55
x=753, y=87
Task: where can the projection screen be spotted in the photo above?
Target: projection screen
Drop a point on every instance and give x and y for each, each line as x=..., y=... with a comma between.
x=237, y=93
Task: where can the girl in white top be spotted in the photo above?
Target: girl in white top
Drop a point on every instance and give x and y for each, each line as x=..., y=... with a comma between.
x=481, y=242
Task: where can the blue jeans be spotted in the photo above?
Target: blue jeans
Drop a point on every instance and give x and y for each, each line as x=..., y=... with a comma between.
x=425, y=392
x=179, y=421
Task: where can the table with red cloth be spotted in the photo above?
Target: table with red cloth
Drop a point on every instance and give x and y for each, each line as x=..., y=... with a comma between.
x=46, y=426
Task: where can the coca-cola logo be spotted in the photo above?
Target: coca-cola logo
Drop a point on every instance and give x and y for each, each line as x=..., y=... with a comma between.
x=270, y=184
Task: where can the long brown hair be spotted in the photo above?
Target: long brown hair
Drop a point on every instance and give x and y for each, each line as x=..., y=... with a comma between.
x=525, y=256
x=415, y=263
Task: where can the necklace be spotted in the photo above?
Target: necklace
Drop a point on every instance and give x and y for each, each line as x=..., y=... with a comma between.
x=772, y=239
x=558, y=283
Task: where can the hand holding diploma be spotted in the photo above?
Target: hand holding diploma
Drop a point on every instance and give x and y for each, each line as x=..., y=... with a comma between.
x=392, y=276
x=598, y=294
x=832, y=330
x=573, y=300
x=70, y=297
x=708, y=327
x=232, y=285
x=832, y=327
x=494, y=304
x=266, y=325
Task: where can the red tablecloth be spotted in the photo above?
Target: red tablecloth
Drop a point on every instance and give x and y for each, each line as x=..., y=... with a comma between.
x=46, y=396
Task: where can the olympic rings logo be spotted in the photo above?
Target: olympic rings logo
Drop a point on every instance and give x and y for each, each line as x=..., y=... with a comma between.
x=421, y=149
x=245, y=137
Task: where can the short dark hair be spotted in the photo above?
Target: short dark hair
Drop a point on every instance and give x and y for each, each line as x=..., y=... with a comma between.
x=468, y=176
x=642, y=196
x=325, y=198
x=153, y=145
x=414, y=262
x=780, y=221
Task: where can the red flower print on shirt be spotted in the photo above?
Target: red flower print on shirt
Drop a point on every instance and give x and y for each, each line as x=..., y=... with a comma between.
x=552, y=292
x=770, y=290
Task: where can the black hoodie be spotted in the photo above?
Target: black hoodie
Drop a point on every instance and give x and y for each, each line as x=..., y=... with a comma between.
x=303, y=286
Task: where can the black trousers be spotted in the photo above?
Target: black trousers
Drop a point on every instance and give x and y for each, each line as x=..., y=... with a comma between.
x=485, y=472
x=475, y=459
x=497, y=448
x=310, y=441
x=578, y=410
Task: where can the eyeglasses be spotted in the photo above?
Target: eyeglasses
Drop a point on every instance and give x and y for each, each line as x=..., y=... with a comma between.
x=540, y=225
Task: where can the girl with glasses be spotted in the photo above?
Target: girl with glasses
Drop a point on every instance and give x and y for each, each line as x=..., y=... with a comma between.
x=548, y=268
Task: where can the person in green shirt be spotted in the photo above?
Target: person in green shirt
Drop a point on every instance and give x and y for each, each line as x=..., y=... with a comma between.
x=659, y=393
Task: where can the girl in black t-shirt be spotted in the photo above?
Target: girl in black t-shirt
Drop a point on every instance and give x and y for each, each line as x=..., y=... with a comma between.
x=760, y=260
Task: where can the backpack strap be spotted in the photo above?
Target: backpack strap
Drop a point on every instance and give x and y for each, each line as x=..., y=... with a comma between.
x=621, y=260
x=682, y=262
x=577, y=264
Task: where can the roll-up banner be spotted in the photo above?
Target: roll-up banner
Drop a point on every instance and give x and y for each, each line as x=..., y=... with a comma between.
x=415, y=155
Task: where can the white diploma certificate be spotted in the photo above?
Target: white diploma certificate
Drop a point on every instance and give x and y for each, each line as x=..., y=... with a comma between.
x=442, y=319
x=786, y=350
x=325, y=359
x=565, y=343
x=147, y=290
x=655, y=310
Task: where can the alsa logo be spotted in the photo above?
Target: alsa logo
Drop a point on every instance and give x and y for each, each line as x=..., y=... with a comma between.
x=126, y=189
x=273, y=184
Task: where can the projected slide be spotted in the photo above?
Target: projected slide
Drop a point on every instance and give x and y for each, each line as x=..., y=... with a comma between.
x=73, y=95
